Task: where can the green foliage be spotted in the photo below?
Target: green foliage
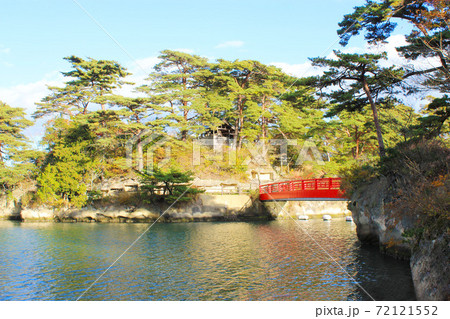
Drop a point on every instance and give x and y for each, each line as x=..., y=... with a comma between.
x=355, y=133
x=168, y=186
x=189, y=97
x=360, y=79
x=62, y=181
x=435, y=120
x=90, y=81
x=94, y=195
x=16, y=157
x=357, y=175
x=177, y=90
x=429, y=37
x=377, y=18
x=417, y=167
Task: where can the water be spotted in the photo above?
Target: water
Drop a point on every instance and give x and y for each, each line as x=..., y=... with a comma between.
x=275, y=260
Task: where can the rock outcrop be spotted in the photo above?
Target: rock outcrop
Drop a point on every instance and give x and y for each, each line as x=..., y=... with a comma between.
x=9, y=208
x=430, y=269
x=204, y=208
x=378, y=224
x=37, y=214
x=375, y=223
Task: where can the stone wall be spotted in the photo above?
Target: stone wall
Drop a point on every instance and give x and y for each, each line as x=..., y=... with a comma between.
x=312, y=209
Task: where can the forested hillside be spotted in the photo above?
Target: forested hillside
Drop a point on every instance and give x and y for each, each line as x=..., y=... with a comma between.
x=353, y=113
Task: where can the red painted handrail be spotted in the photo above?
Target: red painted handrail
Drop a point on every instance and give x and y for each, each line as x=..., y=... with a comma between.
x=326, y=188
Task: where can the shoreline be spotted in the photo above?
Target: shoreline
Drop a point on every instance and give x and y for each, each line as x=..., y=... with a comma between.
x=203, y=209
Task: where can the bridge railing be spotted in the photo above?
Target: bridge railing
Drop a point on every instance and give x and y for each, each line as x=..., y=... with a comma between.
x=303, y=184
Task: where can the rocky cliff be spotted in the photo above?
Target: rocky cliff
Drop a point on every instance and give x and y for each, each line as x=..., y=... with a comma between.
x=10, y=207
x=377, y=223
x=430, y=268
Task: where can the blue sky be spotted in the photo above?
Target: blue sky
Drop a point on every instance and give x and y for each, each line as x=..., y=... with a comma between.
x=37, y=34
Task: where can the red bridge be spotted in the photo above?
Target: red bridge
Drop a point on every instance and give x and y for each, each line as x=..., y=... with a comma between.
x=327, y=189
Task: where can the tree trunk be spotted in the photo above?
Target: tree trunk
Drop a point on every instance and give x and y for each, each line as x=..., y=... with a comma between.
x=236, y=133
x=375, y=118
x=238, y=128
x=140, y=153
x=241, y=121
x=184, y=132
x=263, y=119
x=240, y=142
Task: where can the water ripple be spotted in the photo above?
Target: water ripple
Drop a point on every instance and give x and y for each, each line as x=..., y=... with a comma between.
x=197, y=261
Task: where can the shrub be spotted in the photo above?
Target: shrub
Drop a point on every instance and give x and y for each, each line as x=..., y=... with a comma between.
x=168, y=186
x=419, y=172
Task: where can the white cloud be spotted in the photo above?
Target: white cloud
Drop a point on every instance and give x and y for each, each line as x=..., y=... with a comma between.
x=143, y=66
x=230, y=44
x=298, y=70
x=139, y=69
x=4, y=50
x=26, y=95
x=393, y=57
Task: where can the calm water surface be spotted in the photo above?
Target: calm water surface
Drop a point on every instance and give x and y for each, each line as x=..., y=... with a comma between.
x=276, y=260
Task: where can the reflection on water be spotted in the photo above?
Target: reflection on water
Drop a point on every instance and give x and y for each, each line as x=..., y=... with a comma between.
x=277, y=260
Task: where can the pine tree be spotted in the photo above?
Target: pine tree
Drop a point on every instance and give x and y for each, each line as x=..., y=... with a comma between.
x=176, y=87
x=91, y=81
x=252, y=87
x=429, y=37
x=358, y=80
x=435, y=120
x=16, y=157
x=173, y=182
x=135, y=114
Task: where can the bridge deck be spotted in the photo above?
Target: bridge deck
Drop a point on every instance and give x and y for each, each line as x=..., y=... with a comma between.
x=327, y=189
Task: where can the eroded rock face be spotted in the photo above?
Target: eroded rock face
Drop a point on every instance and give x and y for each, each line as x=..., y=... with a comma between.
x=113, y=214
x=9, y=209
x=205, y=208
x=37, y=214
x=143, y=213
x=375, y=224
x=430, y=269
